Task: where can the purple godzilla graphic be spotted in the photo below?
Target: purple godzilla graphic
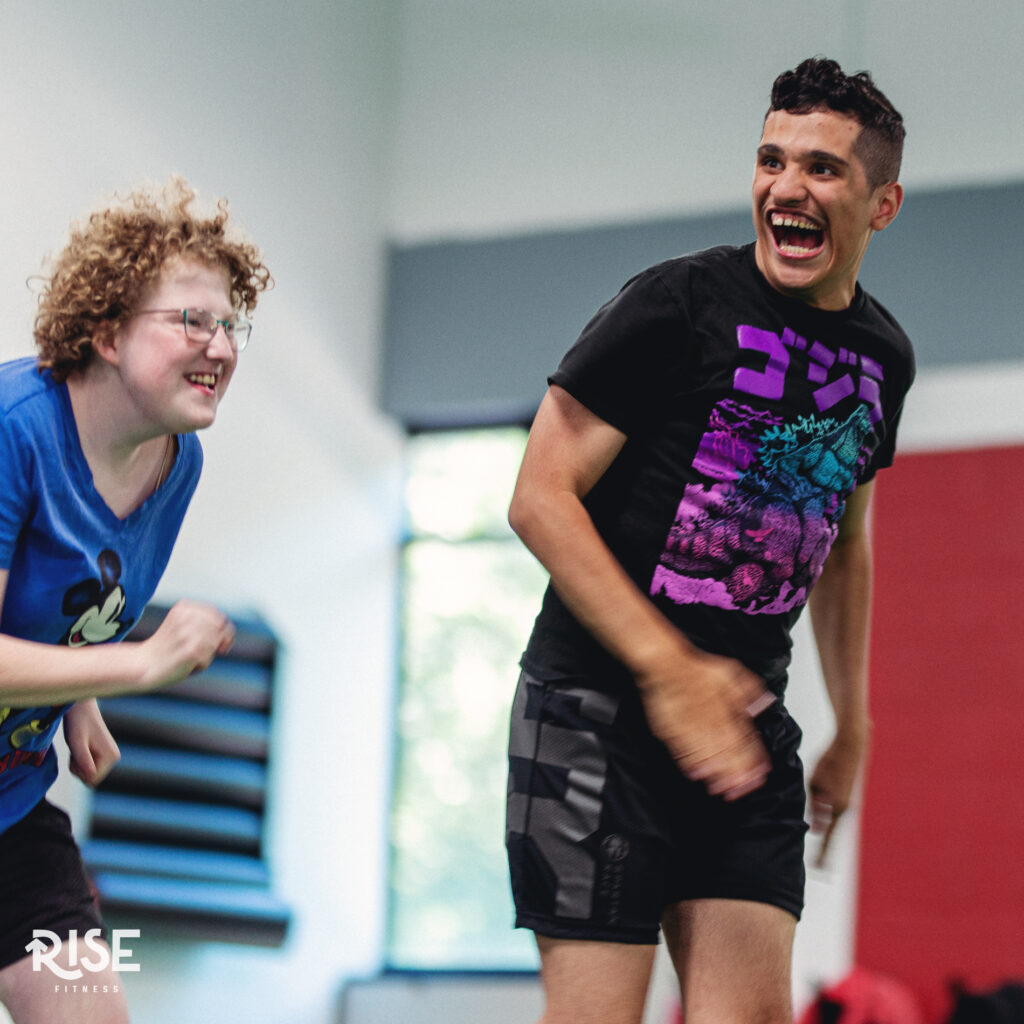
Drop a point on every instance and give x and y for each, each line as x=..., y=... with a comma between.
x=756, y=539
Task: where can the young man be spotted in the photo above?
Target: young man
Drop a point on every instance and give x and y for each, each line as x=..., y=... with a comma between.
x=708, y=441
x=138, y=332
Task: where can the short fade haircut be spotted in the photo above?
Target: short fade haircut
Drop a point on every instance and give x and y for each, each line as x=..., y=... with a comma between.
x=819, y=83
x=111, y=258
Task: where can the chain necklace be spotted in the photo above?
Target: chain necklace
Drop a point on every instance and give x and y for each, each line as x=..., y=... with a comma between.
x=165, y=463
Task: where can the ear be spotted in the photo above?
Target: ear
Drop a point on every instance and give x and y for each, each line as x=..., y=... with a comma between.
x=105, y=338
x=888, y=200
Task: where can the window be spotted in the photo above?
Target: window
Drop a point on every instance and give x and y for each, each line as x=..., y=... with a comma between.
x=470, y=593
x=176, y=838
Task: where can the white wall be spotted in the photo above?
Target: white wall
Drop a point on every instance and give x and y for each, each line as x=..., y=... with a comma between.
x=279, y=108
x=517, y=116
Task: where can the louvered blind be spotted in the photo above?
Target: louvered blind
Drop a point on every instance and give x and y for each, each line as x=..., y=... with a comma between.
x=177, y=833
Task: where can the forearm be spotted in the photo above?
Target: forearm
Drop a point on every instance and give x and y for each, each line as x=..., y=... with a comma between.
x=697, y=704
x=36, y=674
x=840, y=613
x=93, y=750
x=593, y=584
x=840, y=608
x=188, y=639
x=568, y=452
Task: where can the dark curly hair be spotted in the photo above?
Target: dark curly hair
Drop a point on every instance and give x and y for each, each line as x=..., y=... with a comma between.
x=818, y=83
x=118, y=252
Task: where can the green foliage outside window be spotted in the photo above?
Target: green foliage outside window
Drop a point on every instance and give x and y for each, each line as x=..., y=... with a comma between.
x=470, y=593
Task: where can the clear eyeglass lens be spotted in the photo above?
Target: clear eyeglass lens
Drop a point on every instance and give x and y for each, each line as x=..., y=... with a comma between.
x=239, y=333
x=201, y=326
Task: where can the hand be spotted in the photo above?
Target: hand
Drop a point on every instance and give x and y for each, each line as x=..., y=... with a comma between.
x=93, y=750
x=831, y=786
x=702, y=708
x=190, y=637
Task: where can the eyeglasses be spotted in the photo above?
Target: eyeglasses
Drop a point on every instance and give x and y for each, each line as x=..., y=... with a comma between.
x=201, y=326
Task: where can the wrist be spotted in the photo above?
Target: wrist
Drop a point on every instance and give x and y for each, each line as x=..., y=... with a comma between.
x=135, y=671
x=853, y=730
x=660, y=659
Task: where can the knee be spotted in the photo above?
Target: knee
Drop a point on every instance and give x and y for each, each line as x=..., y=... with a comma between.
x=757, y=1010
x=782, y=1014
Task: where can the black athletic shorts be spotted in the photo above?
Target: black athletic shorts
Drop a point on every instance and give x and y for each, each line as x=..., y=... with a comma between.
x=604, y=831
x=44, y=882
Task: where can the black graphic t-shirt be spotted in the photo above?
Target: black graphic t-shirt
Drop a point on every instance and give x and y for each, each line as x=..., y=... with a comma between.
x=750, y=418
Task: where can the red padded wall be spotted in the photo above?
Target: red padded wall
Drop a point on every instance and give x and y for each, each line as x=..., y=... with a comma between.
x=941, y=890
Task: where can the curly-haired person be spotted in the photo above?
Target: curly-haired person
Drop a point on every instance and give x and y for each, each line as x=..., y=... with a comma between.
x=139, y=327
x=704, y=456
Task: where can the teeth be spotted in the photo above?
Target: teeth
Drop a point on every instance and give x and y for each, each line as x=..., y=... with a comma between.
x=208, y=380
x=781, y=220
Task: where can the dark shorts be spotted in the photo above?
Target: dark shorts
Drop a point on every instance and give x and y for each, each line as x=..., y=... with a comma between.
x=44, y=882
x=604, y=832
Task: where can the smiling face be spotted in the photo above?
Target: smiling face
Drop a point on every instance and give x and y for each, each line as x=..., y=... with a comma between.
x=813, y=210
x=172, y=384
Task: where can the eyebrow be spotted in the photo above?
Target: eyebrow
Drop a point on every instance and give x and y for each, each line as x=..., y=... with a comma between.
x=823, y=155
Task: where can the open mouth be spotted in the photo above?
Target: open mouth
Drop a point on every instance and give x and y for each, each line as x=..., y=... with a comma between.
x=207, y=381
x=795, y=235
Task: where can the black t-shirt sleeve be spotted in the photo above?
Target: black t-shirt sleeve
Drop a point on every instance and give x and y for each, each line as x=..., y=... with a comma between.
x=628, y=359
x=895, y=392
x=886, y=451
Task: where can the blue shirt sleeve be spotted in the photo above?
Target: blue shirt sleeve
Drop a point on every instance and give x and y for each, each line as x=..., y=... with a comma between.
x=15, y=492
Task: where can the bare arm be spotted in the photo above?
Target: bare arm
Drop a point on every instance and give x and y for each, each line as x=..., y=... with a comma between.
x=696, y=703
x=840, y=608
x=94, y=751
x=38, y=674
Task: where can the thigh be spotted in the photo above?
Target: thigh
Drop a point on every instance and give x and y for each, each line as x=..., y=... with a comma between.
x=41, y=997
x=45, y=885
x=748, y=849
x=733, y=959
x=588, y=850
x=594, y=982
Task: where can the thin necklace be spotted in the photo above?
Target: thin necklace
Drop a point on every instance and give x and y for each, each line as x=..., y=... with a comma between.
x=165, y=463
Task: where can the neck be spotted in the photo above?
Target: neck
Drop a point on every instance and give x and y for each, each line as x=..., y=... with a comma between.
x=127, y=465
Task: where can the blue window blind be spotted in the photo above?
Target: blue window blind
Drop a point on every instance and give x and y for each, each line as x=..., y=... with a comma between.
x=177, y=837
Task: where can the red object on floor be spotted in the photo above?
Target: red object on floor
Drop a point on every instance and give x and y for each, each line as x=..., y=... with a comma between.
x=865, y=997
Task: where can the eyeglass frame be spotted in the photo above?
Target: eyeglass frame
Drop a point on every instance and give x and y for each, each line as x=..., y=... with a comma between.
x=234, y=323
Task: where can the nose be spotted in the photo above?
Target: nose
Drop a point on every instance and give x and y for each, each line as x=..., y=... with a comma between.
x=219, y=347
x=788, y=185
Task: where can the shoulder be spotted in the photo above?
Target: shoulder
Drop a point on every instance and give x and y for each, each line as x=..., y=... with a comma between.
x=704, y=278
x=674, y=285
x=21, y=382
x=31, y=405
x=884, y=324
x=718, y=261
x=190, y=455
x=876, y=311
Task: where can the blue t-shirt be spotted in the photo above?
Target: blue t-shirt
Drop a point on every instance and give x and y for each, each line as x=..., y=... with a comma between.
x=77, y=574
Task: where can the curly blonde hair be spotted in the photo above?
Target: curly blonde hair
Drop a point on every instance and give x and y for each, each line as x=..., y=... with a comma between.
x=118, y=252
